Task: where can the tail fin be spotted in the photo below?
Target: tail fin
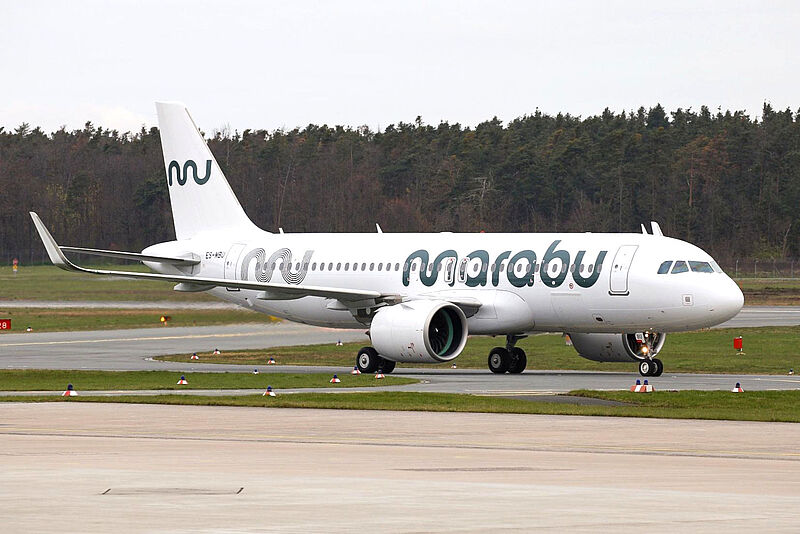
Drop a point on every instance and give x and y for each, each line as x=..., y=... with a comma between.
x=200, y=195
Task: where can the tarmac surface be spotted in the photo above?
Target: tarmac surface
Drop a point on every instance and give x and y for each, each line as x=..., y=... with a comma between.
x=142, y=468
x=134, y=350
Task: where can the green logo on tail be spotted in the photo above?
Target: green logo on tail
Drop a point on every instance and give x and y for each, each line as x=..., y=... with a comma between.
x=181, y=177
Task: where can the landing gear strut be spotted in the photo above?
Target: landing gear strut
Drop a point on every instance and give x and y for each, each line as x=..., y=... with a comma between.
x=509, y=359
x=369, y=361
x=651, y=367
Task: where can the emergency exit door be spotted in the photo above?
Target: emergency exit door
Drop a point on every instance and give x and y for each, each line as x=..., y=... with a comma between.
x=619, y=269
x=231, y=260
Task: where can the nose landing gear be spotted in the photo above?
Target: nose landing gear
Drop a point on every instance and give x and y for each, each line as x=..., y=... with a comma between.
x=651, y=367
x=509, y=359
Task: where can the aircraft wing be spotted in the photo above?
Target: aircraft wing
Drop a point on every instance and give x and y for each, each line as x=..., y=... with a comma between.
x=271, y=291
x=135, y=256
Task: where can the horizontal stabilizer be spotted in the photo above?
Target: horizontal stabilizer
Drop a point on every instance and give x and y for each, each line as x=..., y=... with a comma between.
x=135, y=256
x=60, y=260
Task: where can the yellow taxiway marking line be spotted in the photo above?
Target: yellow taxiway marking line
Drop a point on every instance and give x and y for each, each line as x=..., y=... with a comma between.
x=154, y=338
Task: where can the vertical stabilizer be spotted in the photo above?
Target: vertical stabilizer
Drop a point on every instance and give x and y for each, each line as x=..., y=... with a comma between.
x=199, y=193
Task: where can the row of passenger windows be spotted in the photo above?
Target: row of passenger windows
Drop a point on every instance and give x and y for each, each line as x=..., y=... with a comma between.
x=681, y=266
x=520, y=267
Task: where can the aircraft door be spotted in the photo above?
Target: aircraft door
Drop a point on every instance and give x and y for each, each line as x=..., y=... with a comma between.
x=619, y=269
x=231, y=261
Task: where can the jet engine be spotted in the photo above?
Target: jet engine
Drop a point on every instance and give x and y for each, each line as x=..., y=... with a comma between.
x=618, y=347
x=425, y=331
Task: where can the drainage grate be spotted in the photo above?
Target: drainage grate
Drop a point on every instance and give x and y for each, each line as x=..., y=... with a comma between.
x=172, y=491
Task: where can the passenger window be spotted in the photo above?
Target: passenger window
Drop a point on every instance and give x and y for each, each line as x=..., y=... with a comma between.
x=363, y=266
x=413, y=266
x=321, y=266
x=701, y=267
x=314, y=266
x=330, y=266
x=371, y=266
x=664, y=269
x=591, y=268
x=347, y=266
x=339, y=266
x=396, y=266
x=680, y=267
x=380, y=266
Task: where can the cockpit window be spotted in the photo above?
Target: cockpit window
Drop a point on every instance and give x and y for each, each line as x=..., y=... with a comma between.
x=680, y=267
x=664, y=269
x=701, y=267
x=716, y=267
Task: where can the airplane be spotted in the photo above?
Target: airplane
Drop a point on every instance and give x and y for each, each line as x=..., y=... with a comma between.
x=419, y=295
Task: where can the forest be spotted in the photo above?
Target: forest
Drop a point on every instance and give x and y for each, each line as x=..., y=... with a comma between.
x=725, y=181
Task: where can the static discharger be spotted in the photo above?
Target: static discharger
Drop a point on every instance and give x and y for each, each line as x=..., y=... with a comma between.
x=335, y=380
x=182, y=381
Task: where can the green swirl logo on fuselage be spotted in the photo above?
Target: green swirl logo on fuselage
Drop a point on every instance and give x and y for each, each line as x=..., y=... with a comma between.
x=174, y=169
x=520, y=268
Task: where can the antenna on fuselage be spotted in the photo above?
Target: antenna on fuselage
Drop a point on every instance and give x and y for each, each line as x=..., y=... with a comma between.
x=644, y=230
x=656, y=228
x=378, y=227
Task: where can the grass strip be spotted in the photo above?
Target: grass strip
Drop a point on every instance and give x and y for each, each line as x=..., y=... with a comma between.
x=54, y=380
x=771, y=350
x=771, y=406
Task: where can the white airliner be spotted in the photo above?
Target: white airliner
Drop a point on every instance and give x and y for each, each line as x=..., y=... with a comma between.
x=420, y=295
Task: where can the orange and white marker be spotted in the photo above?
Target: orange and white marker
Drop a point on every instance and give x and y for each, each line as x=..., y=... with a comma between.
x=269, y=392
x=194, y=356
x=642, y=388
x=216, y=351
x=454, y=366
x=737, y=388
x=70, y=391
x=355, y=371
x=380, y=375
x=182, y=381
x=335, y=380
x=271, y=361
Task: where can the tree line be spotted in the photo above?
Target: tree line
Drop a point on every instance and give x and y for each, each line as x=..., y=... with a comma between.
x=724, y=181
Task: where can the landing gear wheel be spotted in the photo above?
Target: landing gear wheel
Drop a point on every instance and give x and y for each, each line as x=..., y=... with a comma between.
x=368, y=360
x=518, y=361
x=499, y=360
x=386, y=366
x=659, y=367
x=646, y=367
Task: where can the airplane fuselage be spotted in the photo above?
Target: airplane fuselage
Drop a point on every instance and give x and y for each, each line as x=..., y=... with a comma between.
x=524, y=282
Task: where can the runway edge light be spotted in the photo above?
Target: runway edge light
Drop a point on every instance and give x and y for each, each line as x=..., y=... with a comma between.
x=194, y=356
x=70, y=391
x=355, y=371
x=380, y=375
x=269, y=392
x=737, y=388
x=335, y=380
x=182, y=381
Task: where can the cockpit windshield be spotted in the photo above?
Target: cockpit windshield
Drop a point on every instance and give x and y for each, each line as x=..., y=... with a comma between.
x=701, y=267
x=681, y=266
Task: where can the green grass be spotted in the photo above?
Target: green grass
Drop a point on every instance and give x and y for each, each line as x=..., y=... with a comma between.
x=73, y=319
x=47, y=380
x=47, y=282
x=783, y=406
x=770, y=291
x=767, y=351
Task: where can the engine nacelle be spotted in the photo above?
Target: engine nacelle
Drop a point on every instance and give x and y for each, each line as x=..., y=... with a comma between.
x=426, y=331
x=618, y=347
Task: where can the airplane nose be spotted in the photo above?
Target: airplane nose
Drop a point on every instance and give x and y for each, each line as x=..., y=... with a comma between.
x=729, y=301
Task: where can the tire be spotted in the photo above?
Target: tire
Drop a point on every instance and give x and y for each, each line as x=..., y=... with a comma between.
x=646, y=367
x=519, y=360
x=368, y=360
x=659, y=367
x=386, y=366
x=499, y=360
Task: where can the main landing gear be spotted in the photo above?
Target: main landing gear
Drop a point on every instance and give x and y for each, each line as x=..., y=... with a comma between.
x=651, y=367
x=369, y=361
x=509, y=359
